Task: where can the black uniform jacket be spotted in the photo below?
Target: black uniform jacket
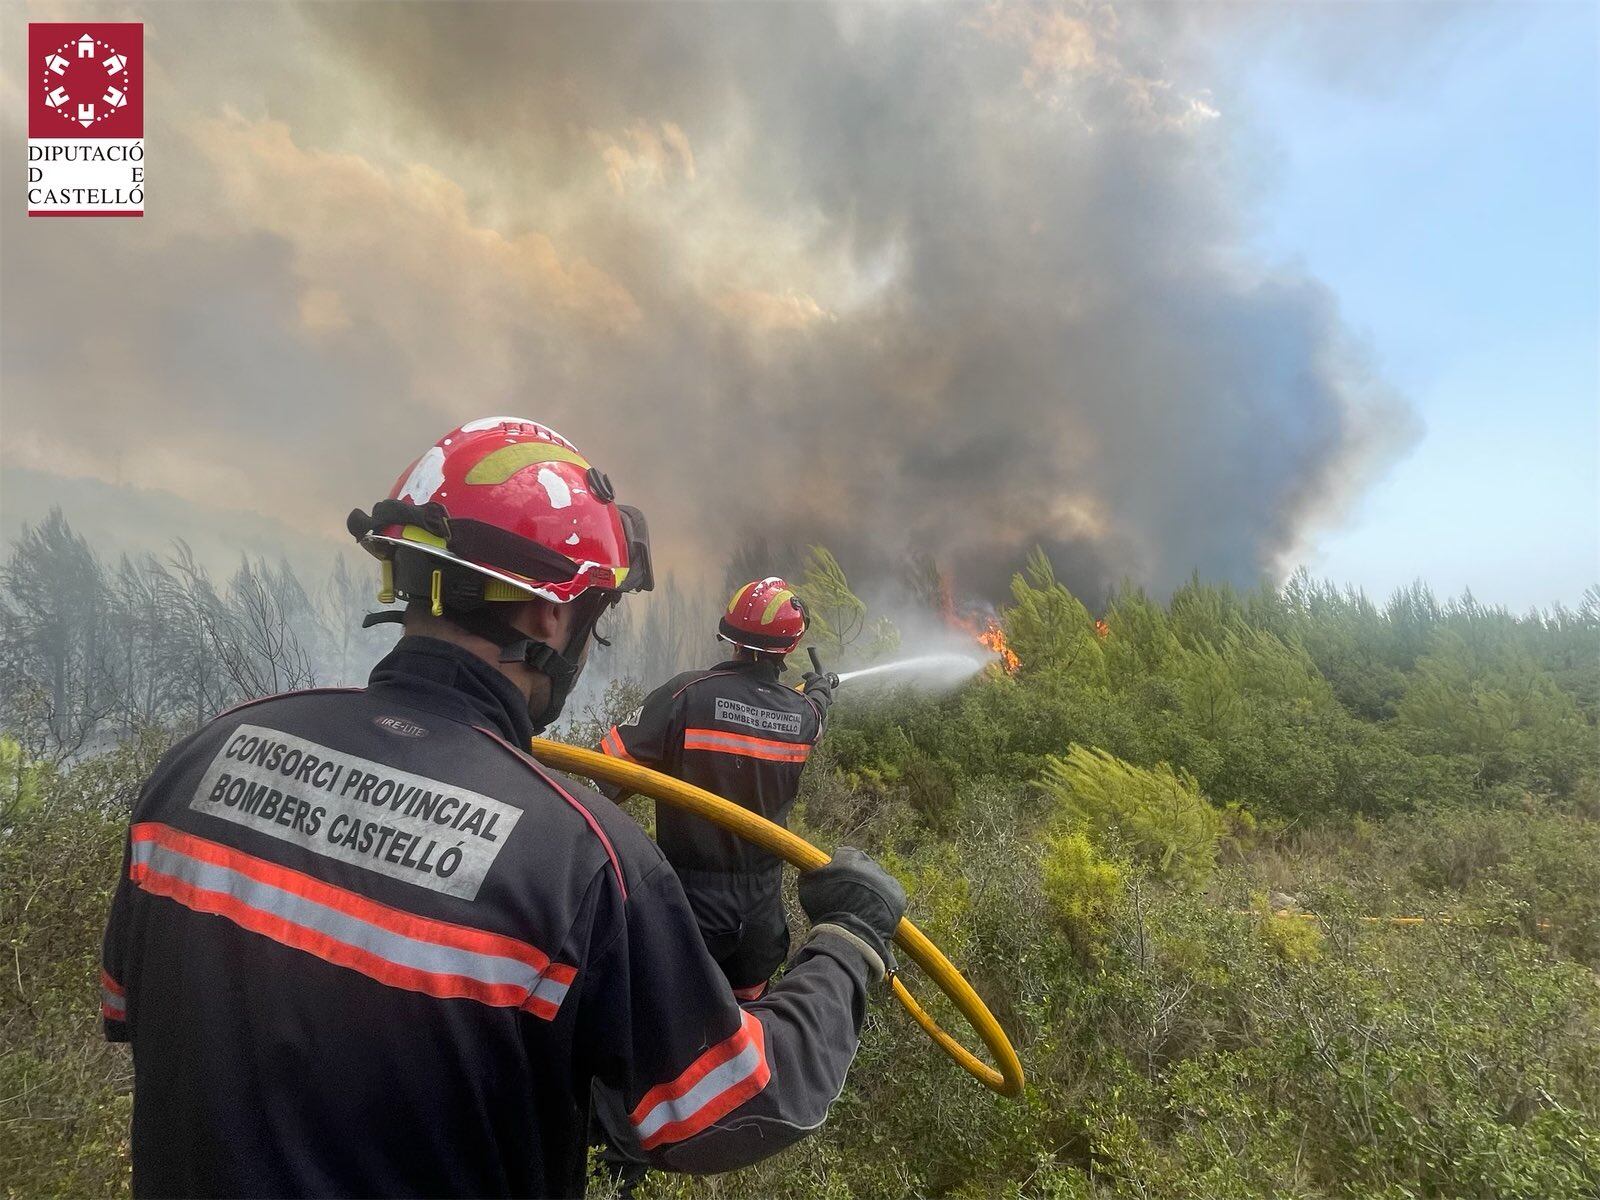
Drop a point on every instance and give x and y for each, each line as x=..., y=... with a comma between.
x=739, y=733
x=364, y=945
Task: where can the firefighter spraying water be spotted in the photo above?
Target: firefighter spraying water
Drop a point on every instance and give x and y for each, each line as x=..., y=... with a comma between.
x=734, y=730
x=721, y=752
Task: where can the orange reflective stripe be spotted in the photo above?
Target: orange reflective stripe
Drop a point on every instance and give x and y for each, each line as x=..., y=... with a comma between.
x=113, y=998
x=611, y=745
x=720, y=741
x=398, y=948
x=712, y=1086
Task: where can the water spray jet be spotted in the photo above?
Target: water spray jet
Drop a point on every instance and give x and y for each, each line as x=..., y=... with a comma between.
x=935, y=668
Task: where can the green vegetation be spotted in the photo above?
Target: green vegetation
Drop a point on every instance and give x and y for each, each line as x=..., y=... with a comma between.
x=65, y=1095
x=1156, y=817
x=1121, y=845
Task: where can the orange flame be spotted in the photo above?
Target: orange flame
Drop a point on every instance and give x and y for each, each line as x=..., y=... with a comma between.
x=991, y=636
x=1102, y=630
x=994, y=638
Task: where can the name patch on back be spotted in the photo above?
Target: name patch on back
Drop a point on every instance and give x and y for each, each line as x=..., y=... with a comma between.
x=768, y=720
x=406, y=826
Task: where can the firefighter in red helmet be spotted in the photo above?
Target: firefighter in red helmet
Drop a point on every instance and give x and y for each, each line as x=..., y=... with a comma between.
x=364, y=944
x=734, y=730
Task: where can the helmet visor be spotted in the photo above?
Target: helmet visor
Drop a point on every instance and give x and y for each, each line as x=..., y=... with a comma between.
x=641, y=575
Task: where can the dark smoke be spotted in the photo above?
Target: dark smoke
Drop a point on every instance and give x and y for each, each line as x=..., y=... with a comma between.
x=1064, y=321
x=942, y=279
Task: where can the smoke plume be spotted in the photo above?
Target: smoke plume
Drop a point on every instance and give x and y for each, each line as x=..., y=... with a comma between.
x=937, y=279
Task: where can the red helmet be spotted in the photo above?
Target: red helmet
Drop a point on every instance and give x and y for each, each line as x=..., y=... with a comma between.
x=765, y=615
x=514, y=504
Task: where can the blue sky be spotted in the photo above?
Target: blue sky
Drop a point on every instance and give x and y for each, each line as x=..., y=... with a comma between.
x=1451, y=207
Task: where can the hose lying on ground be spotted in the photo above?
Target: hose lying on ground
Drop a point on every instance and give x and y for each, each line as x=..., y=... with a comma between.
x=802, y=855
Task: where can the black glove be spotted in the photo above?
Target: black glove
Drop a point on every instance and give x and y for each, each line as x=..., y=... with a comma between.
x=855, y=897
x=819, y=685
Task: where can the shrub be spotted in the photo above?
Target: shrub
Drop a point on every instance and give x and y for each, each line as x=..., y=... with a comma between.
x=65, y=1094
x=1157, y=816
x=1083, y=889
x=930, y=791
x=21, y=780
x=1294, y=937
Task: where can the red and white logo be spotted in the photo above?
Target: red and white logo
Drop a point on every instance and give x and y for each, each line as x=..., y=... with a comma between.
x=86, y=119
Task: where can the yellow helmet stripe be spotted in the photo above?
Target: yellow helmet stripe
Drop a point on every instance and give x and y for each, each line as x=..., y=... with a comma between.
x=500, y=465
x=775, y=604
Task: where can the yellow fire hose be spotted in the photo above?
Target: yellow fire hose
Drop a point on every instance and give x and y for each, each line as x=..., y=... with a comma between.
x=802, y=855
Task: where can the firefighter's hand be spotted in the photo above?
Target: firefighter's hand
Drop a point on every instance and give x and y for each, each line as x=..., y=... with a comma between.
x=855, y=897
x=819, y=685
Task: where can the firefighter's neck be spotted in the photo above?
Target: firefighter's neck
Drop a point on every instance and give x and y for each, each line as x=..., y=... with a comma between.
x=539, y=619
x=742, y=655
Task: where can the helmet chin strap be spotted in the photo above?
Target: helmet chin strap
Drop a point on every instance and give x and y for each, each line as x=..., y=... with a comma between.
x=560, y=667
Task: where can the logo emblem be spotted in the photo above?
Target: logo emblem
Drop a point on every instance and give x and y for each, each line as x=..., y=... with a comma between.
x=86, y=81
x=85, y=87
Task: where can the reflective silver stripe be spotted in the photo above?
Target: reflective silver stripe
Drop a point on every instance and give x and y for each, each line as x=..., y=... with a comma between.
x=742, y=739
x=552, y=991
x=735, y=1071
x=114, y=1002
x=750, y=747
x=350, y=930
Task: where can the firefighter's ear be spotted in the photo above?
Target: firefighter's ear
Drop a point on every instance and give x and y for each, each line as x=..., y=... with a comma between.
x=544, y=621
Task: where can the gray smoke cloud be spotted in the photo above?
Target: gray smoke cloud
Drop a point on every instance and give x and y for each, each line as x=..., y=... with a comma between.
x=895, y=279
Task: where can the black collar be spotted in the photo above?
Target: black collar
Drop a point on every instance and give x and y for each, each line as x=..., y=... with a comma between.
x=443, y=678
x=763, y=668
